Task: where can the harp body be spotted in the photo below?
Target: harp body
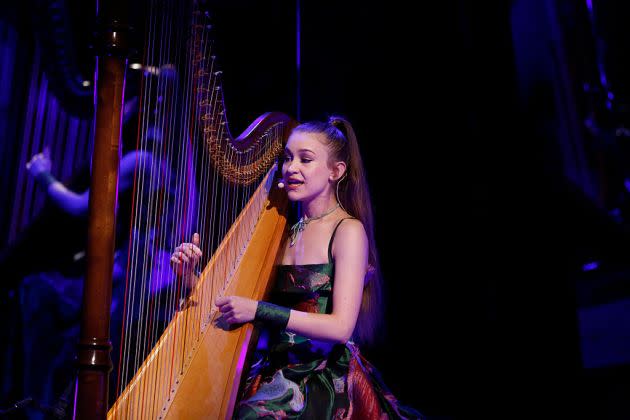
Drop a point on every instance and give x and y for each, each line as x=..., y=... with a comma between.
x=207, y=377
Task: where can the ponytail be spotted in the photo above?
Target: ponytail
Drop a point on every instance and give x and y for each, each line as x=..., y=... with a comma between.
x=354, y=196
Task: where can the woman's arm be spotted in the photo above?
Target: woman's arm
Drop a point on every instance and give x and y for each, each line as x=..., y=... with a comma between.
x=74, y=203
x=70, y=202
x=350, y=251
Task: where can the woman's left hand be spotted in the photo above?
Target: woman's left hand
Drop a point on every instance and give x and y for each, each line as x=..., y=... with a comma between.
x=237, y=309
x=39, y=163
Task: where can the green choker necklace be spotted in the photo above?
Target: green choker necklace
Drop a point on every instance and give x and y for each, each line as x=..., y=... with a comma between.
x=301, y=224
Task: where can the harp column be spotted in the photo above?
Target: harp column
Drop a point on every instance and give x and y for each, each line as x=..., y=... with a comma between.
x=93, y=353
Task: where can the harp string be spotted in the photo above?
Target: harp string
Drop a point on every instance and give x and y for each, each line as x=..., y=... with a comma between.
x=195, y=97
x=192, y=129
x=180, y=196
x=140, y=222
x=123, y=361
x=179, y=230
x=165, y=229
x=164, y=125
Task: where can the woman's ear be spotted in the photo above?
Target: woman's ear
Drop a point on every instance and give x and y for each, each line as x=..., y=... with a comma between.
x=339, y=169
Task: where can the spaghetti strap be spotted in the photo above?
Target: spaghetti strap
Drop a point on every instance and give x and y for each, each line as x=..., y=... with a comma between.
x=332, y=238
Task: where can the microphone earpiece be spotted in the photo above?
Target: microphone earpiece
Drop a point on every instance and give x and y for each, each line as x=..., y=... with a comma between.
x=280, y=184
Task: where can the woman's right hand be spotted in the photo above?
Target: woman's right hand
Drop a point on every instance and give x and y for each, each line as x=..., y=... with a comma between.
x=186, y=256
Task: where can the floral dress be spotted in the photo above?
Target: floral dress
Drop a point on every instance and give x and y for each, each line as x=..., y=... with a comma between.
x=309, y=379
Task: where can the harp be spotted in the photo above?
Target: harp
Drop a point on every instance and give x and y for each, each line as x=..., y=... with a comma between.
x=181, y=364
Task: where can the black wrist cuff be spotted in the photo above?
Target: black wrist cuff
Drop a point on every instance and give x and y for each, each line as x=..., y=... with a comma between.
x=274, y=315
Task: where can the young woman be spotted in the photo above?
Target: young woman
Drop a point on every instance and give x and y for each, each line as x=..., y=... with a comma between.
x=326, y=296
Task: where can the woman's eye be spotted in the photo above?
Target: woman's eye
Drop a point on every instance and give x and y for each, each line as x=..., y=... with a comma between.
x=286, y=158
x=306, y=160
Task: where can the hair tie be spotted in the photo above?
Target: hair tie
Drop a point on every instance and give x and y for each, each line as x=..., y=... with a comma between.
x=335, y=122
x=339, y=124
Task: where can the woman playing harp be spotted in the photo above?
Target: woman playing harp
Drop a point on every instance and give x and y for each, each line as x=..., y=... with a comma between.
x=183, y=372
x=326, y=294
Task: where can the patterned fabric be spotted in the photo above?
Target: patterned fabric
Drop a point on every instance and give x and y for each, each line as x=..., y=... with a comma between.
x=308, y=379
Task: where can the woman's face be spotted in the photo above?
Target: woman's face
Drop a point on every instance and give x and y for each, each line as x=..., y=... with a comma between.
x=305, y=168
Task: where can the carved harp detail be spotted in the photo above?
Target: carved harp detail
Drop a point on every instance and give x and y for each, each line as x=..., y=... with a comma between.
x=244, y=159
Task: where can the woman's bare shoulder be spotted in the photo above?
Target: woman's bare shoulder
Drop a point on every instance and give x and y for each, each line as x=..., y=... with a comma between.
x=350, y=229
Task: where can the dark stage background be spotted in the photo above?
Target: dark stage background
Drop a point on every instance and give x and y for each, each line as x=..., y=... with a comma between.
x=492, y=190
